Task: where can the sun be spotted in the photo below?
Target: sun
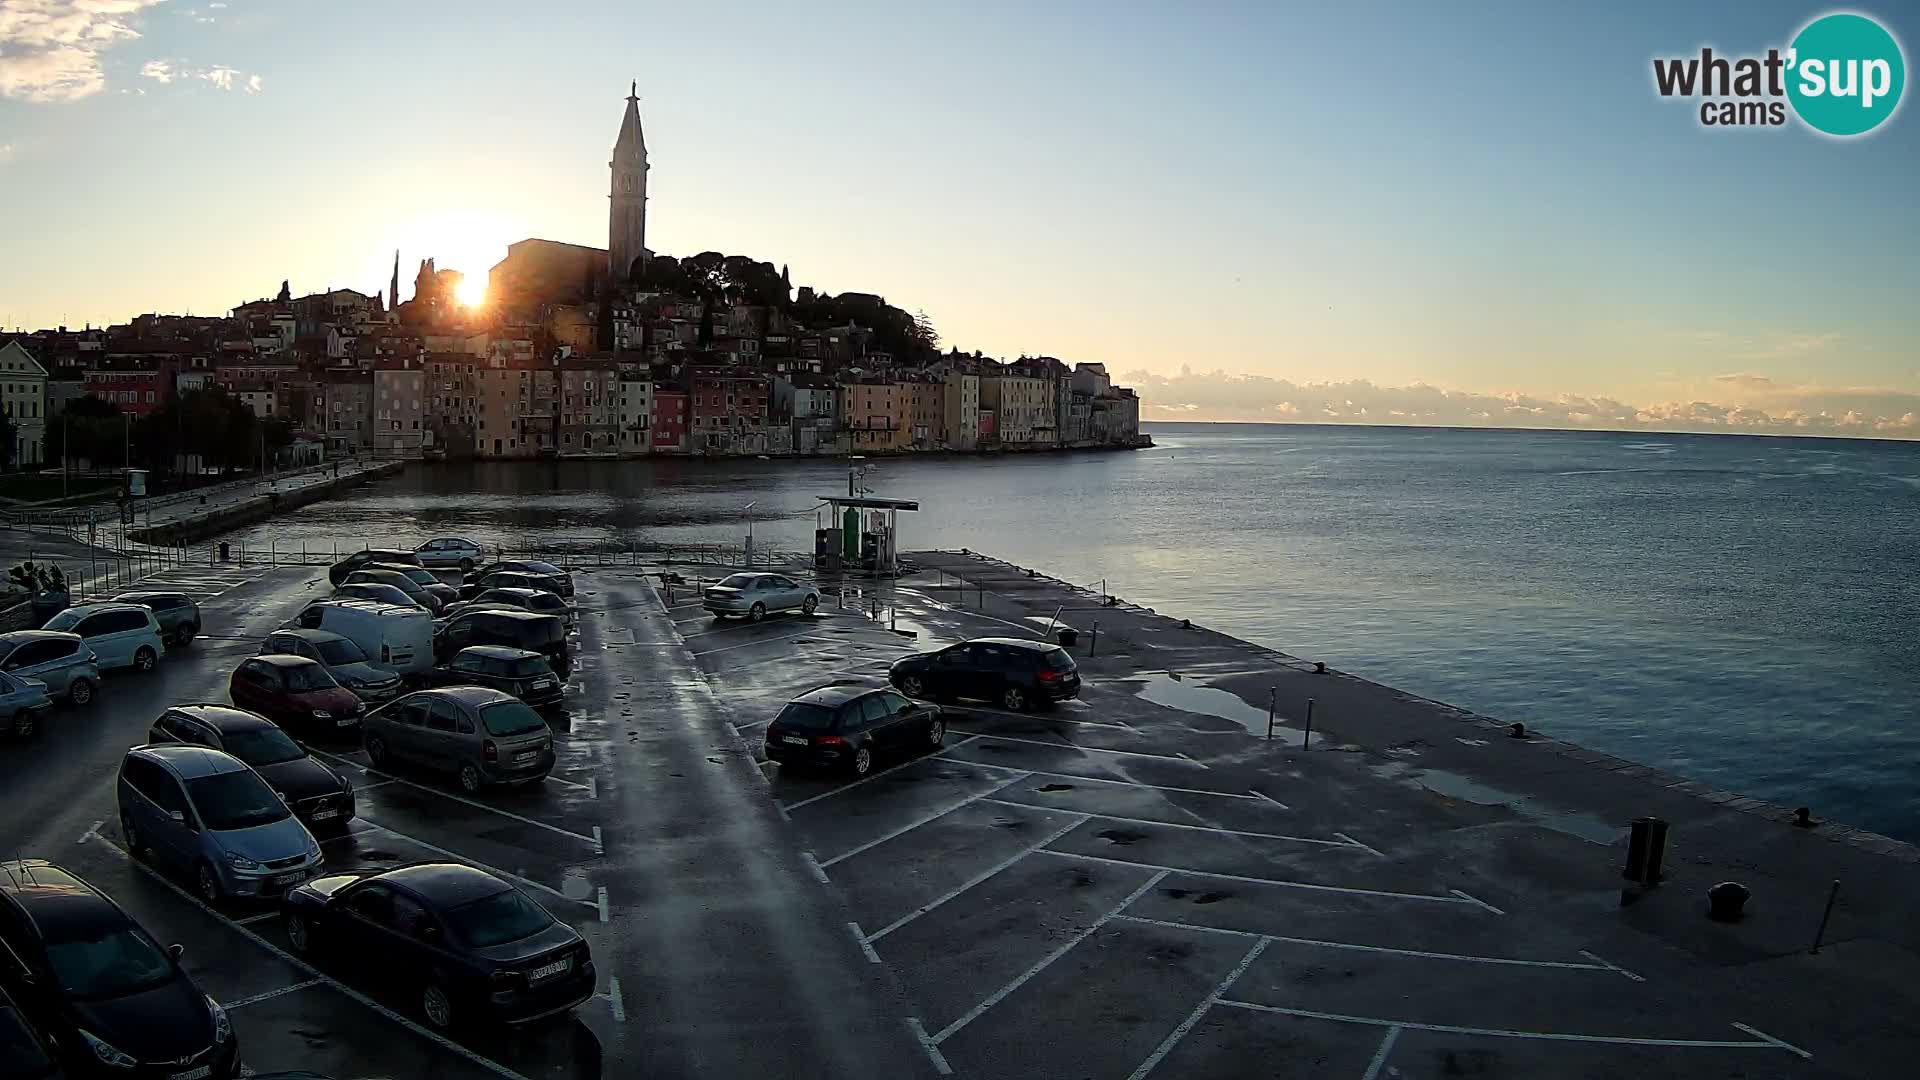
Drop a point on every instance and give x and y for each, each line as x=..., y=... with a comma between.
x=473, y=290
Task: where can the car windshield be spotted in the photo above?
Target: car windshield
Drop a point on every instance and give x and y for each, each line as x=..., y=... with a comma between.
x=308, y=677
x=497, y=919
x=738, y=581
x=804, y=716
x=263, y=746
x=527, y=666
x=546, y=601
x=505, y=718
x=235, y=800
x=541, y=634
x=108, y=961
x=1058, y=660
x=63, y=621
x=340, y=651
x=424, y=577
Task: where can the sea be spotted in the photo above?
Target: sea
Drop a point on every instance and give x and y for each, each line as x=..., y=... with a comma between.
x=1744, y=611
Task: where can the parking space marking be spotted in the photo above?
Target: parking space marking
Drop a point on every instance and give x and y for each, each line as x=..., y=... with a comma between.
x=806, y=627
x=1307, y=885
x=614, y=998
x=1476, y=901
x=1381, y=1055
x=1089, y=749
x=905, y=829
x=599, y=845
x=1614, y=967
x=1024, y=977
x=298, y=964
x=1180, y=1031
x=813, y=866
x=1079, y=819
x=1109, y=780
x=865, y=943
x=92, y=831
x=1374, y=851
x=258, y=916
x=600, y=900
x=370, y=770
x=552, y=779
x=1045, y=718
x=930, y=1046
x=1463, y=958
x=269, y=995
x=883, y=772
x=1197, y=828
x=1764, y=1041
x=1258, y=794
x=373, y=826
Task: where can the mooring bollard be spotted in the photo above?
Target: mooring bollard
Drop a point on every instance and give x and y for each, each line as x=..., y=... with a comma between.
x=1093, y=639
x=1273, y=698
x=1821, y=934
x=1307, y=735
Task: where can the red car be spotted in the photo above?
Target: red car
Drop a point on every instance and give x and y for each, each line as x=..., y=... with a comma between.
x=297, y=694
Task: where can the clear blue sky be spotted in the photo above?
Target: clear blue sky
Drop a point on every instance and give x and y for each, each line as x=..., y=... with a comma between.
x=1493, y=202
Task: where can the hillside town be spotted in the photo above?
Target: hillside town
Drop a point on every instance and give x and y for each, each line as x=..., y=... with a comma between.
x=575, y=351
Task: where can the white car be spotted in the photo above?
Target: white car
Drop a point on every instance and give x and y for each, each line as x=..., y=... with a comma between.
x=450, y=551
x=752, y=596
x=121, y=635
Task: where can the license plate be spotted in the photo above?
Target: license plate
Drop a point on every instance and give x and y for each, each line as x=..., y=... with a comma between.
x=348, y=722
x=542, y=684
x=526, y=756
x=200, y=1073
x=548, y=971
x=795, y=740
x=325, y=815
x=294, y=878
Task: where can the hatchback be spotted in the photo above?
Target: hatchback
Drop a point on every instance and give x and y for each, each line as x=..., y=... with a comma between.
x=559, y=579
x=849, y=726
x=1012, y=672
x=375, y=591
x=59, y=659
x=178, y=615
x=338, y=572
x=384, y=576
x=22, y=701
x=450, y=551
x=755, y=595
x=89, y=976
x=537, y=600
x=520, y=672
x=120, y=635
x=343, y=658
x=544, y=634
x=297, y=692
x=510, y=579
x=204, y=812
x=426, y=579
x=319, y=796
x=473, y=947
x=480, y=735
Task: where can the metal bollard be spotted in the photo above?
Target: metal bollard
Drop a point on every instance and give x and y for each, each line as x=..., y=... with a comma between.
x=1093, y=638
x=893, y=617
x=1273, y=699
x=1821, y=934
x=1307, y=735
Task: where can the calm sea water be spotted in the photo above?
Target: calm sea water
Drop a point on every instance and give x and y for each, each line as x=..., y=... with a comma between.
x=1740, y=610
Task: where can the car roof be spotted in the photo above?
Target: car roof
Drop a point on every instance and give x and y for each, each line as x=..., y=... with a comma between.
x=136, y=595
x=531, y=594
x=397, y=567
x=224, y=718
x=105, y=605
x=355, y=603
x=24, y=636
x=285, y=660
x=520, y=614
x=469, y=695
x=409, y=552
x=55, y=899
x=191, y=762
x=1019, y=643
x=315, y=636
x=445, y=885
x=498, y=652
x=834, y=695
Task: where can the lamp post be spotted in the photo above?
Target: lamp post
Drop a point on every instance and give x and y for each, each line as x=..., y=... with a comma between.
x=748, y=510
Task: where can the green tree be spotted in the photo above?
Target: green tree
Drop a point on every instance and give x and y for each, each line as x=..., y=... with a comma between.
x=9, y=438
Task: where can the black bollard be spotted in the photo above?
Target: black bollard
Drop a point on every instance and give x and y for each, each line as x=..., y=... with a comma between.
x=1803, y=819
x=1319, y=668
x=1646, y=848
x=1517, y=731
x=1727, y=901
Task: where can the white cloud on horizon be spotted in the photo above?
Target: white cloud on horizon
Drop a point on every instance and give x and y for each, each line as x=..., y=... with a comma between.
x=221, y=76
x=159, y=71
x=50, y=49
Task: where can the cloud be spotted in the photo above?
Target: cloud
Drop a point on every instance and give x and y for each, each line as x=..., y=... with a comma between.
x=1779, y=409
x=220, y=75
x=50, y=49
x=6, y=151
x=158, y=70
x=255, y=84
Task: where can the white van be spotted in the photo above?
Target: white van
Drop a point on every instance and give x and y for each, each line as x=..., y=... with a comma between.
x=394, y=637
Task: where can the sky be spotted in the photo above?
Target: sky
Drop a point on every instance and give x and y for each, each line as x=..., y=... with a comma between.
x=1384, y=211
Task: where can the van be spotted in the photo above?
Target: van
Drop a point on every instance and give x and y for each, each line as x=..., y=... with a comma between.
x=529, y=630
x=121, y=635
x=397, y=638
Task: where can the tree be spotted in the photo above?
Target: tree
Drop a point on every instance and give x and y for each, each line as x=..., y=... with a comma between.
x=89, y=428
x=924, y=335
x=9, y=438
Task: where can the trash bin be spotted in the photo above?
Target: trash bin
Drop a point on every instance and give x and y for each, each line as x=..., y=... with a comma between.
x=223, y=551
x=1068, y=635
x=1646, y=849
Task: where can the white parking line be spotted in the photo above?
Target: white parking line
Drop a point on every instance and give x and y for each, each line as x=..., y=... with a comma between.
x=1614, y=967
x=457, y=857
x=905, y=829
x=1021, y=980
x=1196, y=828
x=258, y=916
x=1464, y=958
x=1381, y=1055
x=1088, y=749
x=1476, y=901
x=370, y=770
x=613, y=997
x=1765, y=1041
x=552, y=779
x=600, y=899
x=1109, y=780
x=875, y=776
x=932, y=1048
x=1373, y=851
x=1781, y=1043
x=1180, y=1032
x=813, y=867
x=93, y=830
x=768, y=639
x=269, y=995
x=1309, y=886
x=599, y=845
x=1079, y=819
x=865, y=943
x=300, y=965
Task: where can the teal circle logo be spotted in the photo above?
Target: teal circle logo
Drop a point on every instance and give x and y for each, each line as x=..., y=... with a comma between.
x=1845, y=74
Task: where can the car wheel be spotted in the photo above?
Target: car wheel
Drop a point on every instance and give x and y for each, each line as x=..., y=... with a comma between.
x=912, y=686
x=863, y=761
x=299, y=932
x=24, y=724
x=208, y=882
x=143, y=658
x=438, y=1005
x=183, y=637
x=759, y=612
x=377, y=751
x=80, y=692
x=1014, y=698
x=809, y=603
x=937, y=733
x=466, y=566
x=470, y=778
x=131, y=834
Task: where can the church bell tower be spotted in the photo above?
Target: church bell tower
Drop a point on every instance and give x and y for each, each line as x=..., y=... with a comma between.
x=627, y=214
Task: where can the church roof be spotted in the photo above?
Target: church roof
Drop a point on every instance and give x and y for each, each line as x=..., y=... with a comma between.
x=631, y=140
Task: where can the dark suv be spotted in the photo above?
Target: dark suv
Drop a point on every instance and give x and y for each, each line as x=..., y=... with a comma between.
x=108, y=994
x=526, y=675
x=848, y=726
x=534, y=632
x=1011, y=672
x=361, y=560
x=177, y=614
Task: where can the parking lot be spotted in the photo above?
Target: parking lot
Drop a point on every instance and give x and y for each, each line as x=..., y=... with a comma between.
x=1117, y=888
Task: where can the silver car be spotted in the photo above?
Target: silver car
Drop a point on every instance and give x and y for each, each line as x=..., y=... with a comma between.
x=61, y=660
x=754, y=595
x=21, y=703
x=205, y=812
x=480, y=735
x=346, y=661
x=450, y=551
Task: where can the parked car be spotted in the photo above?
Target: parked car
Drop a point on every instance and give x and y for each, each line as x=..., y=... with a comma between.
x=178, y=615
x=450, y=551
x=120, y=635
x=1011, y=672
x=540, y=600
x=480, y=735
x=22, y=701
x=426, y=579
x=561, y=581
x=544, y=634
x=203, y=811
x=398, y=638
x=473, y=947
x=511, y=579
x=414, y=590
x=755, y=595
x=26, y=1053
x=338, y=572
x=319, y=796
x=90, y=977
x=850, y=726
x=343, y=659
x=525, y=674
x=296, y=692
x=377, y=592
x=59, y=659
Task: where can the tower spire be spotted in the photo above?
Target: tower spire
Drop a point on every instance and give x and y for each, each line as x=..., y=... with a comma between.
x=627, y=212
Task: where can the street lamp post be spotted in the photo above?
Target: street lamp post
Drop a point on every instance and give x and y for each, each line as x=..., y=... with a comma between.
x=748, y=510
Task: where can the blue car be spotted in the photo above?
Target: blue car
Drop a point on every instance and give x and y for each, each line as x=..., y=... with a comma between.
x=205, y=812
x=22, y=702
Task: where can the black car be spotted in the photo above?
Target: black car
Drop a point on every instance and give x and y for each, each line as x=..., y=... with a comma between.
x=1013, y=672
x=526, y=599
x=510, y=579
x=529, y=630
x=365, y=557
x=471, y=946
x=25, y=1051
x=88, y=976
x=849, y=726
x=318, y=796
x=555, y=579
x=525, y=674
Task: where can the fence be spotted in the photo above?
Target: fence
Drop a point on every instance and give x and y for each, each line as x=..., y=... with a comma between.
x=102, y=573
